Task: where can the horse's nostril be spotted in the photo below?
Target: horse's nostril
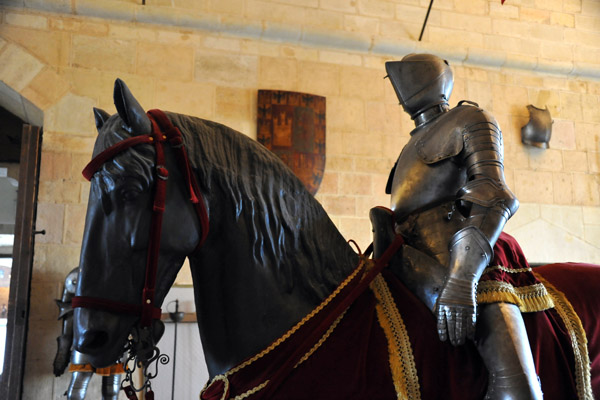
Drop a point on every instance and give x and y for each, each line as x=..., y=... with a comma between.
x=92, y=340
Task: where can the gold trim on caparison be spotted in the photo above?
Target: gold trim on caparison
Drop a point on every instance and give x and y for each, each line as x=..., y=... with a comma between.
x=532, y=298
x=401, y=358
x=583, y=375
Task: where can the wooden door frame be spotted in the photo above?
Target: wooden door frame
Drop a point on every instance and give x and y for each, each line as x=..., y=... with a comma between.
x=20, y=282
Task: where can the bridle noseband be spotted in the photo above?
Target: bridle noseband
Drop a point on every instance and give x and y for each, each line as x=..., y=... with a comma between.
x=162, y=131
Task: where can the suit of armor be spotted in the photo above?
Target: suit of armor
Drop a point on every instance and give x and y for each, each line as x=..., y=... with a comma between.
x=79, y=378
x=450, y=202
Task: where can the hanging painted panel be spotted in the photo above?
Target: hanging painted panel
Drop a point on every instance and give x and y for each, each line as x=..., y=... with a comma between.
x=292, y=125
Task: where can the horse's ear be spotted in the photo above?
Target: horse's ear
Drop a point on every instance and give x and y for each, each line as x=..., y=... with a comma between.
x=100, y=116
x=130, y=111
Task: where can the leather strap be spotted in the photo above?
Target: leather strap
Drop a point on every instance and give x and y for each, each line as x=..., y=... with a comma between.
x=116, y=307
x=130, y=393
x=175, y=139
x=112, y=151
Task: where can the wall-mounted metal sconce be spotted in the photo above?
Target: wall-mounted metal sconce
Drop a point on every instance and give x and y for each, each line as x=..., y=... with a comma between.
x=538, y=130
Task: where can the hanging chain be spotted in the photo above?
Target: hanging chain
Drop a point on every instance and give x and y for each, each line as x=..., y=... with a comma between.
x=136, y=360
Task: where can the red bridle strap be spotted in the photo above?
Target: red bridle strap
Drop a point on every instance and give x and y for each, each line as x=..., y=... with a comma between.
x=175, y=139
x=116, y=307
x=112, y=151
x=162, y=130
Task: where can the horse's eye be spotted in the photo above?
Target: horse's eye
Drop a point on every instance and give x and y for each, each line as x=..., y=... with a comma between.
x=130, y=195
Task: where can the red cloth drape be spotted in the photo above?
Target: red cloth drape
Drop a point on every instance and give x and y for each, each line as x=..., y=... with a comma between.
x=353, y=361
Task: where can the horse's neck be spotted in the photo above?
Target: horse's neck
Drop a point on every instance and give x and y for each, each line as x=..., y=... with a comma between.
x=245, y=303
x=271, y=255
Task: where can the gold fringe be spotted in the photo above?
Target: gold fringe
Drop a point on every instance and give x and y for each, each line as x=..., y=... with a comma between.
x=508, y=270
x=401, y=359
x=578, y=337
x=532, y=298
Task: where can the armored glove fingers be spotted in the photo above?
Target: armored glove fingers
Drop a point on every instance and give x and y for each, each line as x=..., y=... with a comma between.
x=456, y=311
x=63, y=354
x=470, y=253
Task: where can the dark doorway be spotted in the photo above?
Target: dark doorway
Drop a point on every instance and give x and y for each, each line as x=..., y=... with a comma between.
x=20, y=146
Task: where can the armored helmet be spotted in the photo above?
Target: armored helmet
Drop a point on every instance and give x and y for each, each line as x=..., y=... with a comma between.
x=421, y=81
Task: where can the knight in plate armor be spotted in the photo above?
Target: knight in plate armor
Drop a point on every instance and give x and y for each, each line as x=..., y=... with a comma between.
x=81, y=370
x=450, y=202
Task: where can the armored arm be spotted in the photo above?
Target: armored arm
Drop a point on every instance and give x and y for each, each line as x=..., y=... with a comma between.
x=485, y=200
x=485, y=203
x=65, y=340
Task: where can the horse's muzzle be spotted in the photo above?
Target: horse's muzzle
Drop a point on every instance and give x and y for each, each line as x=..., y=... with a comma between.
x=91, y=342
x=100, y=335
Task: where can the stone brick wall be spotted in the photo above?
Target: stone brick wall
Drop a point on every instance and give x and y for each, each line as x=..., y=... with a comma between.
x=60, y=58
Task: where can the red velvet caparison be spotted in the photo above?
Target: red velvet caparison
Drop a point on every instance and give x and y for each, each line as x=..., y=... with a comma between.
x=353, y=361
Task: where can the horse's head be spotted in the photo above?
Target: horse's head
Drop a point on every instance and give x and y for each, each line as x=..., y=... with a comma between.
x=119, y=226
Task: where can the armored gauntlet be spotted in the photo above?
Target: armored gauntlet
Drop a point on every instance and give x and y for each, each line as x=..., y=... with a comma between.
x=470, y=253
x=63, y=354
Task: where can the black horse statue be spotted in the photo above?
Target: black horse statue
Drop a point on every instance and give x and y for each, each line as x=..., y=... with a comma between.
x=280, y=295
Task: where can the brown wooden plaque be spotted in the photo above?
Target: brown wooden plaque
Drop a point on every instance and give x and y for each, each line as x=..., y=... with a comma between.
x=292, y=125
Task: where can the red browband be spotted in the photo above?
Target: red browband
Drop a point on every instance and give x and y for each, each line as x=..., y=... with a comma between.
x=162, y=131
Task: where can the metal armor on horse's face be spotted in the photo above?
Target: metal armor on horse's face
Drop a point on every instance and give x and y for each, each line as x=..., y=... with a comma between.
x=450, y=201
x=79, y=379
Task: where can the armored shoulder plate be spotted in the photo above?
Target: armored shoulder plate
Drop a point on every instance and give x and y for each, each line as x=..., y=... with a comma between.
x=71, y=280
x=444, y=137
x=439, y=145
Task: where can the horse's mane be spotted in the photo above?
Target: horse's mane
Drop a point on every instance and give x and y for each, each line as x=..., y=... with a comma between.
x=283, y=220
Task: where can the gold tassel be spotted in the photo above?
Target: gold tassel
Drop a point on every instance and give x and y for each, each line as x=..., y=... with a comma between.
x=531, y=298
